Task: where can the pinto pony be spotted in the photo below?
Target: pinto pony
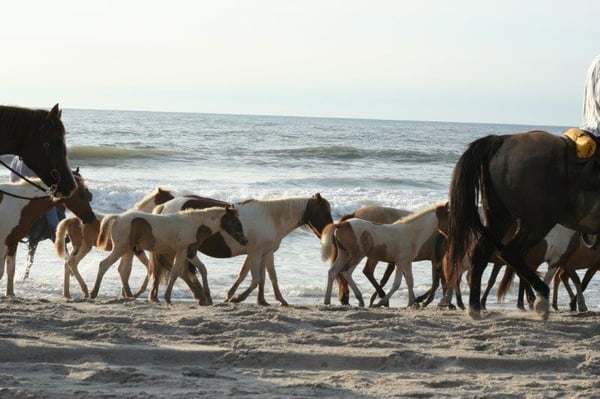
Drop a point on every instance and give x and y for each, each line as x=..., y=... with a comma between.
x=38, y=137
x=433, y=250
x=266, y=223
x=345, y=244
x=180, y=233
x=534, y=179
x=83, y=237
x=21, y=206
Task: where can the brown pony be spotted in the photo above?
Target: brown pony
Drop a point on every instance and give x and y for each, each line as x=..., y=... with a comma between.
x=534, y=179
x=38, y=137
x=20, y=208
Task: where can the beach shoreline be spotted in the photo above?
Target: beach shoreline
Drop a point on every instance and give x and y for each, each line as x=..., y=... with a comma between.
x=124, y=348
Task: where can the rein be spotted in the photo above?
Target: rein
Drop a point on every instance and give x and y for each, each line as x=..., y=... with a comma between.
x=51, y=189
x=22, y=197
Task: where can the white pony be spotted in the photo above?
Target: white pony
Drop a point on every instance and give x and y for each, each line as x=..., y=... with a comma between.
x=83, y=238
x=266, y=223
x=180, y=233
x=345, y=244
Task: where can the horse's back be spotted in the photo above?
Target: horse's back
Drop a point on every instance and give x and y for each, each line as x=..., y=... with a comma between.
x=529, y=171
x=380, y=214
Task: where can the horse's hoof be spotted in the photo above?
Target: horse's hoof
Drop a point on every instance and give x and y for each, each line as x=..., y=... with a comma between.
x=283, y=302
x=542, y=307
x=474, y=313
x=263, y=303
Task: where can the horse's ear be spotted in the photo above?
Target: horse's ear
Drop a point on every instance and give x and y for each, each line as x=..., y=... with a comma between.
x=55, y=113
x=77, y=171
x=318, y=196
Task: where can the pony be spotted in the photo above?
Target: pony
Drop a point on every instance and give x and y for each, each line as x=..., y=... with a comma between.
x=534, y=179
x=345, y=244
x=83, y=237
x=38, y=137
x=266, y=223
x=180, y=233
x=20, y=207
x=433, y=250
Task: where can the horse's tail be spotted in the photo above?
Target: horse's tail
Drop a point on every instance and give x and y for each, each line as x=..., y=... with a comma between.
x=60, y=244
x=328, y=245
x=104, y=237
x=506, y=282
x=160, y=267
x=470, y=178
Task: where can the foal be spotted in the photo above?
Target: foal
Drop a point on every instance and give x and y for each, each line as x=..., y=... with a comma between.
x=83, y=237
x=433, y=250
x=180, y=233
x=346, y=243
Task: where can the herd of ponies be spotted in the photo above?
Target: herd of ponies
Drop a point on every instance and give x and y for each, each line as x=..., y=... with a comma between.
x=167, y=233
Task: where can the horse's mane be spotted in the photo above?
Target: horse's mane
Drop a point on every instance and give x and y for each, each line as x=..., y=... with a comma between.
x=148, y=197
x=420, y=213
x=282, y=206
x=16, y=121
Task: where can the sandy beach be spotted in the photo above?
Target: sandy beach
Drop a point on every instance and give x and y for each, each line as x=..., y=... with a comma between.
x=134, y=349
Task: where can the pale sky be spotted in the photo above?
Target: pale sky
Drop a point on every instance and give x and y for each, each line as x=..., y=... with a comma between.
x=505, y=61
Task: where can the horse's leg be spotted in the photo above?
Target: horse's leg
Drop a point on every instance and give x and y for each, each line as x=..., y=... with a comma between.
x=490, y=283
x=557, y=279
x=189, y=277
x=32, y=247
x=369, y=272
x=481, y=254
x=124, y=269
x=391, y=266
x=408, y=276
x=270, y=266
x=397, y=281
x=144, y=259
x=521, y=295
x=513, y=252
x=241, y=276
x=347, y=273
x=178, y=264
x=529, y=294
x=10, y=273
x=206, y=297
x=336, y=268
x=72, y=267
x=255, y=268
x=104, y=266
x=436, y=276
x=579, y=296
x=588, y=276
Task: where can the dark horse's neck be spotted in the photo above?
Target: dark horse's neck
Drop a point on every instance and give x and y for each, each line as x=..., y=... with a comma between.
x=16, y=124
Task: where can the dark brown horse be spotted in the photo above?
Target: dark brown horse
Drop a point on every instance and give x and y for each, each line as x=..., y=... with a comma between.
x=38, y=137
x=534, y=179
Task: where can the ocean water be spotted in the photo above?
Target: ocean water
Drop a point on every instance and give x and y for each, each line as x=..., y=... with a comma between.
x=124, y=155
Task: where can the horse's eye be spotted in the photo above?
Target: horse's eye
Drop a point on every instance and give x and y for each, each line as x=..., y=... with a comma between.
x=46, y=145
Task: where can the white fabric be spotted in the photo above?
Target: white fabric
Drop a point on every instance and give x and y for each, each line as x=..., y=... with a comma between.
x=18, y=165
x=591, y=99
